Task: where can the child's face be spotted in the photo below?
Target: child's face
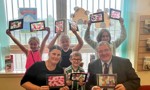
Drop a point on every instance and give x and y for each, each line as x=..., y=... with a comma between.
x=75, y=60
x=105, y=37
x=34, y=46
x=65, y=43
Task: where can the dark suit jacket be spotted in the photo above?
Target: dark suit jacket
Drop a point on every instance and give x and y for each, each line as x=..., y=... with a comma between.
x=126, y=75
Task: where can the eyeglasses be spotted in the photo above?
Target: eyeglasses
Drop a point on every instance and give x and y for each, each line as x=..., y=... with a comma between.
x=76, y=59
x=104, y=51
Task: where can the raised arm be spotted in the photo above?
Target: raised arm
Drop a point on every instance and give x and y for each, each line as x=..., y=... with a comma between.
x=44, y=40
x=54, y=39
x=80, y=41
x=123, y=34
x=87, y=38
x=8, y=32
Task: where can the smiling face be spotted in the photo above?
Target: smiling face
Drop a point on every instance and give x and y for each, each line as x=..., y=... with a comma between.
x=34, y=46
x=105, y=37
x=75, y=60
x=54, y=56
x=65, y=42
x=104, y=51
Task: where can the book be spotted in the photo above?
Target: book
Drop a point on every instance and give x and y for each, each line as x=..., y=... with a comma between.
x=9, y=67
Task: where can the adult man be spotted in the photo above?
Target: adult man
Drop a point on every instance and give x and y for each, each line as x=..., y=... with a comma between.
x=127, y=79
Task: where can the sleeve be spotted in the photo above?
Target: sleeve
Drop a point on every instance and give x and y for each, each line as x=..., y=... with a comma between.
x=92, y=78
x=133, y=81
x=122, y=37
x=30, y=74
x=88, y=40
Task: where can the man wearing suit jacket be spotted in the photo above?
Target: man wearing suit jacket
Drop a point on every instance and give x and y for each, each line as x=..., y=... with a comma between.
x=127, y=78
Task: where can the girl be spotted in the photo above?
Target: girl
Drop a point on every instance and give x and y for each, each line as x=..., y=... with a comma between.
x=104, y=35
x=33, y=54
x=65, y=45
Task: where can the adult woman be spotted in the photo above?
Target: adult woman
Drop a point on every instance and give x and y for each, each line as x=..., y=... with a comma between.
x=35, y=77
x=104, y=35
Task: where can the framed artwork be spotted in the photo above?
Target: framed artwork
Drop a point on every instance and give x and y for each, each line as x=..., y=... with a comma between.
x=146, y=63
x=115, y=14
x=97, y=17
x=107, y=80
x=56, y=80
x=59, y=25
x=37, y=26
x=16, y=24
x=73, y=24
x=79, y=76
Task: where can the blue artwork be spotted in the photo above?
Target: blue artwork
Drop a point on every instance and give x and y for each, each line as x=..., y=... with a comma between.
x=29, y=15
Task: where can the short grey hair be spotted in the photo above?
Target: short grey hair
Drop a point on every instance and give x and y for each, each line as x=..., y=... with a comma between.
x=103, y=43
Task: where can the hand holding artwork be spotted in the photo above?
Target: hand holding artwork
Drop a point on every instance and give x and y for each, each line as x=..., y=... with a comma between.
x=8, y=32
x=47, y=29
x=120, y=87
x=64, y=88
x=96, y=88
x=43, y=88
x=121, y=21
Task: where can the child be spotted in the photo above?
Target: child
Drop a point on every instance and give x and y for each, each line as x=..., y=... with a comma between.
x=104, y=35
x=75, y=59
x=35, y=52
x=65, y=45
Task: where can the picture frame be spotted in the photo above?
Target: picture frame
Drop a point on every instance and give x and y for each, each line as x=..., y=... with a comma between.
x=146, y=64
x=97, y=17
x=107, y=80
x=37, y=26
x=59, y=25
x=73, y=24
x=79, y=76
x=15, y=24
x=56, y=80
x=115, y=14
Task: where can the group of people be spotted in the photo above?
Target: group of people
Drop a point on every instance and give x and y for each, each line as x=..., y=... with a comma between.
x=66, y=60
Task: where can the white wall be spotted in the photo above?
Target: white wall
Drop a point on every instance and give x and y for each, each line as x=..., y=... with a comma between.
x=139, y=7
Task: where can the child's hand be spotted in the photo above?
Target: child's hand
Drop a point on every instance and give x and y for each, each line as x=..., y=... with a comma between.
x=89, y=23
x=58, y=33
x=121, y=21
x=48, y=29
x=74, y=29
x=8, y=32
x=69, y=82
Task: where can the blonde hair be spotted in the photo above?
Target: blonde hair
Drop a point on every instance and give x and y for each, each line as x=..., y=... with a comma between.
x=75, y=53
x=34, y=39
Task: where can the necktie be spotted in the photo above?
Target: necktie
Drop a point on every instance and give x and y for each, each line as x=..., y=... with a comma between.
x=106, y=69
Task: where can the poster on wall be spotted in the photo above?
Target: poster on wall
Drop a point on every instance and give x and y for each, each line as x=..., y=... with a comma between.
x=29, y=15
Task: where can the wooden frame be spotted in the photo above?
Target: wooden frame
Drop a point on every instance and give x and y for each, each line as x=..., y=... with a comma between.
x=107, y=80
